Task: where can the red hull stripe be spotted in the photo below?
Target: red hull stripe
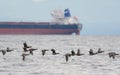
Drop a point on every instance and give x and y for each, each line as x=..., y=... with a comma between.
x=38, y=31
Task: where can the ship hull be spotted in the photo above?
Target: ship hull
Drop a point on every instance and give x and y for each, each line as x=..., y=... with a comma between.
x=38, y=29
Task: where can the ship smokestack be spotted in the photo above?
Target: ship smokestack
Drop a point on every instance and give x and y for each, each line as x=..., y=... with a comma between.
x=67, y=13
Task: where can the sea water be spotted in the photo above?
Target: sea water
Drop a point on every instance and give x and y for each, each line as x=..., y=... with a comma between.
x=36, y=64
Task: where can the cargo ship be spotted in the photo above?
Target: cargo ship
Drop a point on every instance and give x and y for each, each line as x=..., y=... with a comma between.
x=62, y=23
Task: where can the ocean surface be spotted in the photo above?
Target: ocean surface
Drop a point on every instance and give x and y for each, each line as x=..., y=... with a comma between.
x=100, y=64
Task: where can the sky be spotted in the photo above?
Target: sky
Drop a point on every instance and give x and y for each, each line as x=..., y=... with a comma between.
x=98, y=17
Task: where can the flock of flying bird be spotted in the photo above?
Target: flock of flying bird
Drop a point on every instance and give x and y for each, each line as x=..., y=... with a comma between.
x=29, y=49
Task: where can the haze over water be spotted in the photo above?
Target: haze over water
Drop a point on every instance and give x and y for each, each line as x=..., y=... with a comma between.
x=100, y=64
